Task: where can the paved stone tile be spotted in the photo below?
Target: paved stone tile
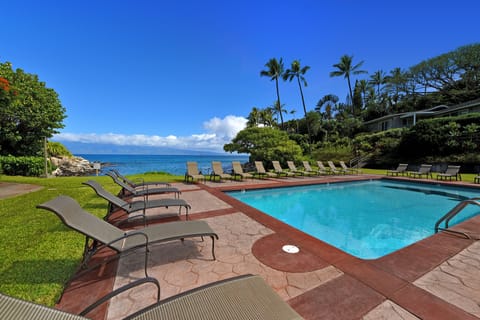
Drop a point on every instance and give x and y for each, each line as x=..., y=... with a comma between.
x=389, y=311
x=182, y=266
x=457, y=280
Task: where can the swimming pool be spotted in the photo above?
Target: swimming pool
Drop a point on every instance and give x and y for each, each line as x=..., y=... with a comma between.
x=367, y=219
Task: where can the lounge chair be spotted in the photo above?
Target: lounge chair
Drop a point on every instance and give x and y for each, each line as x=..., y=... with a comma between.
x=144, y=191
x=279, y=170
x=347, y=169
x=101, y=234
x=143, y=183
x=334, y=169
x=322, y=168
x=217, y=171
x=239, y=298
x=308, y=168
x=293, y=168
x=401, y=169
x=261, y=172
x=450, y=173
x=476, y=179
x=193, y=173
x=135, y=206
x=424, y=170
x=238, y=171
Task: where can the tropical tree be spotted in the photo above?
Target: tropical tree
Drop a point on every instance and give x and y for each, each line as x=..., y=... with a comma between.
x=296, y=71
x=29, y=112
x=274, y=71
x=346, y=68
x=378, y=79
x=328, y=103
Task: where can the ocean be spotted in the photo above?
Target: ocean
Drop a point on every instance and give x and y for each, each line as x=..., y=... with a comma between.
x=173, y=164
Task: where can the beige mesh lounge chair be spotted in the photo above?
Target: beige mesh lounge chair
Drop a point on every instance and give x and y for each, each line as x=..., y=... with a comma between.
x=135, y=206
x=401, y=169
x=450, y=173
x=308, y=168
x=240, y=298
x=144, y=191
x=334, y=169
x=101, y=234
x=424, y=170
x=217, y=171
x=279, y=170
x=261, y=172
x=193, y=173
x=476, y=179
x=347, y=169
x=238, y=171
x=322, y=168
x=140, y=184
x=293, y=168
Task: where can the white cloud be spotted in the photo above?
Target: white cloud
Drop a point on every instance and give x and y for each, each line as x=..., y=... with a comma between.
x=219, y=132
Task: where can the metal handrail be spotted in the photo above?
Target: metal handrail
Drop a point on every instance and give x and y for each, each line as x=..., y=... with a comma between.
x=357, y=160
x=452, y=213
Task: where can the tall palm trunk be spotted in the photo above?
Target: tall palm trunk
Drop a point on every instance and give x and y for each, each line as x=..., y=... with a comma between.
x=304, y=110
x=279, y=104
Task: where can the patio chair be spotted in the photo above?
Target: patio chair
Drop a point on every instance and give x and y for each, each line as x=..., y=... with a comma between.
x=138, y=184
x=193, y=173
x=243, y=297
x=347, y=169
x=308, y=168
x=279, y=170
x=401, y=169
x=334, y=169
x=424, y=170
x=476, y=179
x=238, y=171
x=101, y=234
x=217, y=171
x=450, y=173
x=322, y=168
x=135, y=206
x=145, y=191
x=293, y=168
x=261, y=172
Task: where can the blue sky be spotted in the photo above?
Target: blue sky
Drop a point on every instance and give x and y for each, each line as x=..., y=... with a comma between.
x=185, y=74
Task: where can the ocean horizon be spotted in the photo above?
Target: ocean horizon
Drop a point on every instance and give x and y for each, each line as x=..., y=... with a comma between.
x=174, y=164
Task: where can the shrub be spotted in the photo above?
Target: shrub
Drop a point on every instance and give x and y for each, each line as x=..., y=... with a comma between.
x=22, y=166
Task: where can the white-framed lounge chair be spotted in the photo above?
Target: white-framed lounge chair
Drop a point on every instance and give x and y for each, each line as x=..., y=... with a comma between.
x=450, y=173
x=347, y=169
x=143, y=191
x=217, y=171
x=279, y=170
x=424, y=170
x=401, y=169
x=238, y=171
x=322, y=168
x=193, y=172
x=334, y=169
x=239, y=298
x=293, y=168
x=135, y=206
x=261, y=172
x=100, y=234
x=308, y=168
x=476, y=179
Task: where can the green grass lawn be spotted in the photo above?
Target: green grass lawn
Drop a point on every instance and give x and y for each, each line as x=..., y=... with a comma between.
x=38, y=254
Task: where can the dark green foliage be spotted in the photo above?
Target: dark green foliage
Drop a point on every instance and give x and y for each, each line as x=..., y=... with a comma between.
x=22, y=166
x=56, y=149
x=29, y=112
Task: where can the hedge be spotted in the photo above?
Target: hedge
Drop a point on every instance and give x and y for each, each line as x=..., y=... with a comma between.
x=22, y=166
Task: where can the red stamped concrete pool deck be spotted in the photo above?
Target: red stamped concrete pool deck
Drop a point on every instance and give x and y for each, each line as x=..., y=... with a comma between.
x=436, y=278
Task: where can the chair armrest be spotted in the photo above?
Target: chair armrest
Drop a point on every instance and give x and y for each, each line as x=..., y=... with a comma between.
x=120, y=290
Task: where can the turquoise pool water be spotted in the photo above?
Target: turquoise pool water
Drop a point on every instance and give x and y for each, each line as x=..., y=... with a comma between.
x=367, y=219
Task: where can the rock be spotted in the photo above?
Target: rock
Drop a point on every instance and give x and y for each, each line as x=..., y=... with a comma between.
x=72, y=166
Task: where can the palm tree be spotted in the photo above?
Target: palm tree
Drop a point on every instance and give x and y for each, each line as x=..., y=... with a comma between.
x=254, y=117
x=378, y=78
x=274, y=71
x=328, y=101
x=298, y=72
x=345, y=69
x=363, y=86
